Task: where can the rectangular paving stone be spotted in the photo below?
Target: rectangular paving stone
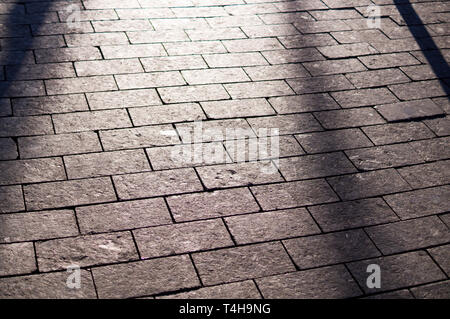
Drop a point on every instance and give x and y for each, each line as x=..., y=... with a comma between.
x=353, y=214
x=80, y=85
x=303, y=103
x=182, y=238
x=69, y=193
x=215, y=34
x=377, y=78
x=95, y=39
x=212, y=204
x=409, y=110
x=438, y=290
x=196, y=93
x=122, y=99
x=49, y=104
x=91, y=121
x=426, y=175
x=293, y=194
x=37, y=225
x=40, y=71
x=313, y=166
x=171, y=113
x=335, y=140
x=419, y=90
x=334, y=67
x=67, y=54
x=173, y=63
x=146, y=136
x=365, y=97
x=148, y=80
x=320, y=84
x=233, y=21
x=286, y=124
x=327, y=282
x=237, y=108
x=258, y=89
x=321, y=26
x=383, y=157
x=11, y=199
x=308, y=41
x=132, y=51
x=398, y=271
x=121, y=25
x=368, y=184
x=241, y=174
x=17, y=259
x=356, y=36
x=31, y=171
x=391, y=60
x=440, y=255
x=422, y=202
x=179, y=23
x=85, y=251
x=440, y=126
x=194, y=47
x=397, y=132
x=8, y=149
x=252, y=45
x=267, y=226
x=237, y=290
x=59, y=144
x=409, y=235
x=25, y=126
x=150, y=277
x=158, y=36
x=349, y=118
x=346, y=50
x=276, y=72
x=234, y=59
x=46, y=286
x=104, y=67
x=210, y=76
x=292, y=55
x=157, y=183
x=432, y=150
x=322, y=250
x=106, y=163
x=239, y=263
x=123, y=215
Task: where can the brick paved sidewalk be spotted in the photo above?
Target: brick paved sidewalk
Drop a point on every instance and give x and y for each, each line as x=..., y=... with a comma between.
x=100, y=108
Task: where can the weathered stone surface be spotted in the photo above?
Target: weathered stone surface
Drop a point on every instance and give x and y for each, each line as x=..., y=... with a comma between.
x=31, y=171
x=303, y=103
x=348, y=118
x=237, y=290
x=432, y=150
x=441, y=256
x=439, y=290
x=171, y=113
x=397, y=132
x=11, y=199
x=409, y=110
x=426, y=175
x=16, y=259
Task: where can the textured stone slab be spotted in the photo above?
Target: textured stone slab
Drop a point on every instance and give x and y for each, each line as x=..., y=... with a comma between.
x=37, y=225
x=397, y=132
x=398, y=271
x=212, y=204
x=124, y=215
x=364, y=97
x=321, y=84
x=80, y=85
x=170, y=113
x=271, y=225
x=148, y=80
x=237, y=108
x=210, y=76
x=234, y=59
x=46, y=286
x=286, y=124
x=8, y=149
x=349, y=118
x=426, y=175
x=25, y=126
x=303, y=103
x=85, y=251
x=358, y=213
x=293, y=194
x=439, y=290
x=419, y=90
x=122, y=99
x=440, y=126
x=327, y=282
x=11, y=199
x=441, y=256
x=258, y=89
x=16, y=259
x=434, y=149
x=377, y=78
x=368, y=184
x=420, y=202
x=69, y=193
x=409, y=110
x=149, y=277
x=182, y=238
x=157, y=183
x=49, y=104
x=193, y=93
x=233, y=264
x=31, y=171
x=237, y=290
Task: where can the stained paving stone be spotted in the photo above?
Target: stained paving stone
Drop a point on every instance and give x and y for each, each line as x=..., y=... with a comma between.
x=182, y=238
x=352, y=214
x=46, y=286
x=11, y=199
x=236, y=290
x=85, y=251
x=8, y=149
x=409, y=110
x=440, y=255
x=322, y=250
x=313, y=166
x=293, y=194
x=106, y=163
x=239, y=263
x=409, y=235
x=123, y=215
x=17, y=259
x=150, y=277
x=397, y=132
x=398, y=271
x=426, y=175
x=212, y=204
x=368, y=184
x=274, y=225
x=383, y=157
x=335, y=140
x=37, y=225
x=420, y=202
x=439, y=290
x=157, y=183
x=349, y=118
x=69, y=193
x=327, y=282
